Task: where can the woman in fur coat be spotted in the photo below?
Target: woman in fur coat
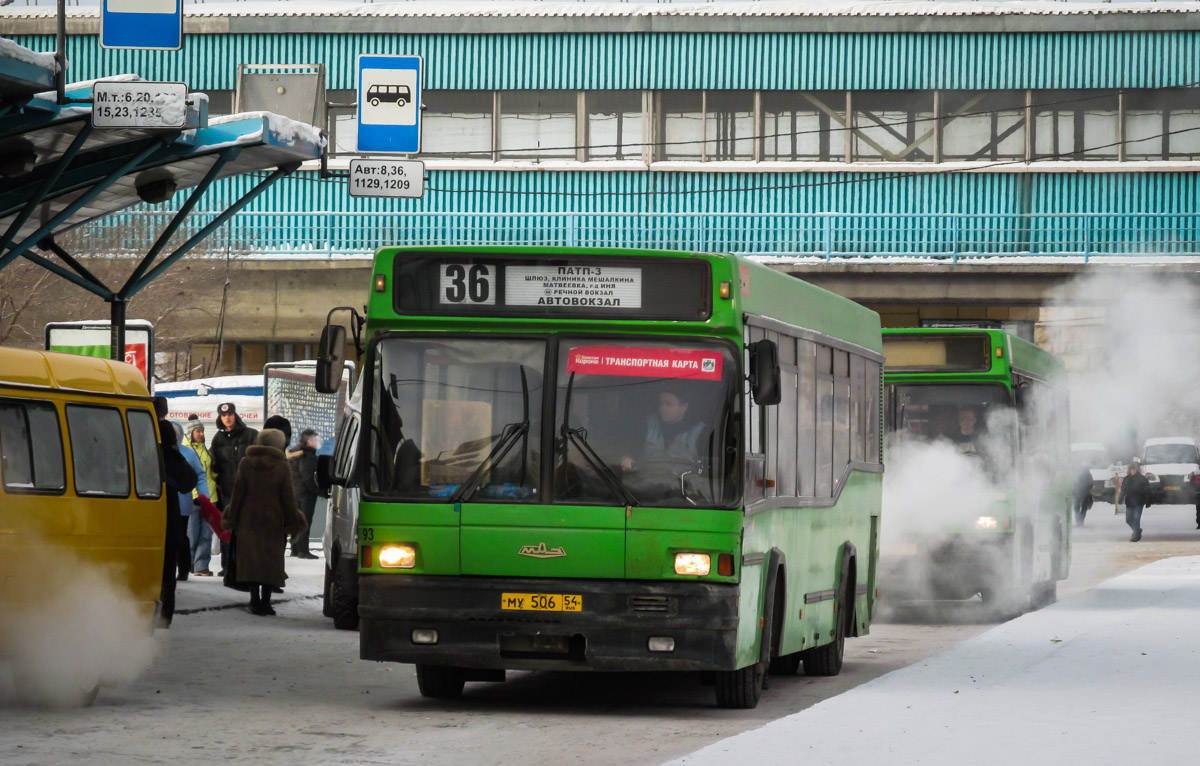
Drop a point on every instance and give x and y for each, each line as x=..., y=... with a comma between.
x=262, y=515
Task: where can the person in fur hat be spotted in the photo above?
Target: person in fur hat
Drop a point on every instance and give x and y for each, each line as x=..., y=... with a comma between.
x=262, y=515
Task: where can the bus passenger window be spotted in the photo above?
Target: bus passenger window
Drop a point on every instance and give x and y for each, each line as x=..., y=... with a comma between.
x=32, y=447
x=98, y=451
x=147, y=479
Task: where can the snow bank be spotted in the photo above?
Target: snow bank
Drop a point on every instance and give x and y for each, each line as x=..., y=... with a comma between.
x=1109, y=676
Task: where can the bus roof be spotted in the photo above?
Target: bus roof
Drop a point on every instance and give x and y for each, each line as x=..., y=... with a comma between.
x=50, y=369
x=755, y=289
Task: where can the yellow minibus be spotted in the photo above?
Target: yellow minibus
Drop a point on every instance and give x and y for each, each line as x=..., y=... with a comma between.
x=81, y=496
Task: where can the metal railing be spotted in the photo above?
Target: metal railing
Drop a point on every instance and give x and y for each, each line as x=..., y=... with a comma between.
x=943, y=236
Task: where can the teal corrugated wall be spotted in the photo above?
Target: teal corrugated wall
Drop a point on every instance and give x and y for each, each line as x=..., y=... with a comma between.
x=734, y=193
x=680, y=61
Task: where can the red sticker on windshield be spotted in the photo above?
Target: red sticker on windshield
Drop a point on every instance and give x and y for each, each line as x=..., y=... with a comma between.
x=645, y=362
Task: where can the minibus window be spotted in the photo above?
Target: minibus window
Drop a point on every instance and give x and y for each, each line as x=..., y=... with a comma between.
x=146, y=475
x=31, y=446
x=99, y=455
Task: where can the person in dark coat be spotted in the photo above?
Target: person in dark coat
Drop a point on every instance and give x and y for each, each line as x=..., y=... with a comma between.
x=1082, y=494
x=1135, y=494
x=229, y=445
x=304, y=479
x=262, y=514
x=280, y=423
x=179, y=478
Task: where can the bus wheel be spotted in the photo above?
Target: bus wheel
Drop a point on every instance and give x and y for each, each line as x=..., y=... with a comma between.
x=827, y=660
x=740, y=689
x=344, y=608
x=440, y=681
x=374, y=102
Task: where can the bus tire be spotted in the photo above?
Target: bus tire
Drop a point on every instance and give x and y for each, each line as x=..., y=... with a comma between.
x=344, y=608
x=440, y=681
x=781, y=664
x=740, y=689
x=827, y=660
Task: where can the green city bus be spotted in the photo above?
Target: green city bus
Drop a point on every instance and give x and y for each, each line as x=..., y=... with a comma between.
x=603, y=459
x=999, y=401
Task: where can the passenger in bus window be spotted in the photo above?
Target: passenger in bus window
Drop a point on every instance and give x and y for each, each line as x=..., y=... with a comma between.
x=670, y=434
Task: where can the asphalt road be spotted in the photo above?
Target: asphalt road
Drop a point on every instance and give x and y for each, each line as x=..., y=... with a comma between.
x=226, y=685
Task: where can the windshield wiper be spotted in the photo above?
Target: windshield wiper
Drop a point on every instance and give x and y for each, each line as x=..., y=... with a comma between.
x=508, y=437
x=578, y=437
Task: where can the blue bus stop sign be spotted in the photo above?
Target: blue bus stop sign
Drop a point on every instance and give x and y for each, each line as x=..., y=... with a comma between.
x=389, y=104
x=148, y=24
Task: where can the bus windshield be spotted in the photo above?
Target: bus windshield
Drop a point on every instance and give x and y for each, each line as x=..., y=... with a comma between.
x=977, y=419
x=646, y=423
x=455, y=418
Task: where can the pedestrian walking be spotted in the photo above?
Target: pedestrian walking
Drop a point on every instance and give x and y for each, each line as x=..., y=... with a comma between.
x=199, y=532
x=262, y=514
x=229, y=445
x=304, y=480
x=180, y=477
x=188, y=510
x=1135, y=494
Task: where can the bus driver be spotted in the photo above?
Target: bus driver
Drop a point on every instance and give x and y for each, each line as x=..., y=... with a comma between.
x=668, y=433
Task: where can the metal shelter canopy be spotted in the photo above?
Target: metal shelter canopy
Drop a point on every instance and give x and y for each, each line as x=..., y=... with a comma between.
x=22, y=74
x=62, y=173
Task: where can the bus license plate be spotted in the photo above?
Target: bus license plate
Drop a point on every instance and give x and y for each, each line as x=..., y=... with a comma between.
x=1171, y=489
x=542, y=602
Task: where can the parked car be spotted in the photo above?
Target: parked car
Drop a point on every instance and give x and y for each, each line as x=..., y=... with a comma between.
x=1168, y=463
x=1094, y=456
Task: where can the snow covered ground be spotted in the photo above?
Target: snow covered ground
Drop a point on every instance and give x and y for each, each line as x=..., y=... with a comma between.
x=1109, y=675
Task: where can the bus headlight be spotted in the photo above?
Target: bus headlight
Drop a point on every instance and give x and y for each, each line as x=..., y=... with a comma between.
x=692, y=564
x=987, y=522
x=398, y=556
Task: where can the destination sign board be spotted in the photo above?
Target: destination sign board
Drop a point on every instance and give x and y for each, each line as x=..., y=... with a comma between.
x=387, y=178
x=594, y=286
x=466, y=284
x=139, y=104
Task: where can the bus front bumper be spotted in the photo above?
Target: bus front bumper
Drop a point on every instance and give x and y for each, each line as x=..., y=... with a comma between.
x=612, y=631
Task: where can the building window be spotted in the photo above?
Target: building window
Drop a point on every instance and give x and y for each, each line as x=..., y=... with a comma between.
x=1162, y=124
x=616, y=127
x=1075, y=125
x=799, y=126
x=680, y=116
x=892, y=126
x=729, y=125
x=457, y=123
x=537, y=124
x=983, y=125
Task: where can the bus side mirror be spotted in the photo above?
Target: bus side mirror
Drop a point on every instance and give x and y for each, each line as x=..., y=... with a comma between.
x=764, y=372
x=331, y=359
x=1023, y=394
x=325, y=477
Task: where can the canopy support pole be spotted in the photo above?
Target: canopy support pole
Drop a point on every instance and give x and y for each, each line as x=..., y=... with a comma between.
x=199, y=236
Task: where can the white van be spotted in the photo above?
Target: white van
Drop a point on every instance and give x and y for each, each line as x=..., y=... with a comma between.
x=1169, y=463
x=340, y=538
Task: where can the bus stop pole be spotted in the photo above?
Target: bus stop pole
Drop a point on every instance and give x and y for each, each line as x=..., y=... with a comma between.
x=117, y=329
